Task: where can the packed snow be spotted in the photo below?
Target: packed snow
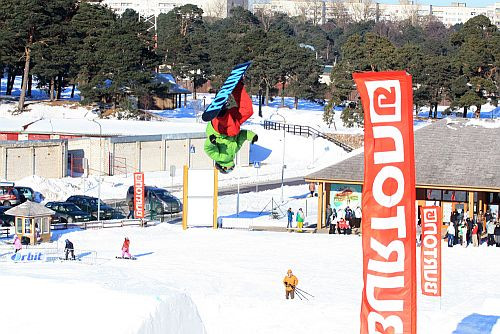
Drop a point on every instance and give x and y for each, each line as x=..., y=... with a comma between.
x=219, y=281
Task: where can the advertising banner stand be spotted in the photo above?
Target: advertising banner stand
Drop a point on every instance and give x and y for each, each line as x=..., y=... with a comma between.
x=389, y=302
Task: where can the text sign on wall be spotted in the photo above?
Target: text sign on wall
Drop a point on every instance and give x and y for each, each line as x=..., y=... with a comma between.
x=139, y=195
x=430, y=265
x=388, y=203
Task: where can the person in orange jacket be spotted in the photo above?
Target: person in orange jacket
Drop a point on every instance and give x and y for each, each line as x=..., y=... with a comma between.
x=125, y=248
x=290, y=282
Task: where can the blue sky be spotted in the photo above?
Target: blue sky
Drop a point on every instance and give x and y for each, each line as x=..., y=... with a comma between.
x=470, y=3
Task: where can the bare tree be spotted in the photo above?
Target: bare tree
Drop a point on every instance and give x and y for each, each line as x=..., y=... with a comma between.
x=216, y=8
x=410, y=11
x=310, y=10
x=265, y=16
x=364, y=10
x=337, y=11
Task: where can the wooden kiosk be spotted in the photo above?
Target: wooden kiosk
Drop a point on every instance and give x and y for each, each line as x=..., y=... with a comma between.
x=32, y=220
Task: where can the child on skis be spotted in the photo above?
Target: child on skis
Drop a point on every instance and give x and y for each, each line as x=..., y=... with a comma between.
x=224, y=137
x=69, y=248
x=17, y=244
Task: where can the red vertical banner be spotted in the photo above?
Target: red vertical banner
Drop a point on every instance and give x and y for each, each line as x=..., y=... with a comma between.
x=430, y=261
x=138, y=195
x=389, y=302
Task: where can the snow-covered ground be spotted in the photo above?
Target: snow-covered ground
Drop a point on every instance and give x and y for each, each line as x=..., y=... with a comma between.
x=224, y=281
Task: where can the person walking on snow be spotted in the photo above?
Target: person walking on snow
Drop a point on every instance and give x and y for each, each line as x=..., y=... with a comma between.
x=290, y=282
x=451, y=235
x=475, y=241
x=224, y=136
x=490, y=229
x=17, y=244
x=69, y=248
x=300, y=219
x=125, y=248
x=290, y=214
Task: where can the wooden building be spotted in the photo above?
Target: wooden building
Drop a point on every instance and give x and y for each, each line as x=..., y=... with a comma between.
x=32, y=220
x=457, y=167
x=169, y=94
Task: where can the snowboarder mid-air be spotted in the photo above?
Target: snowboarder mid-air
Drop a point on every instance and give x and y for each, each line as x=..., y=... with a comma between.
x=224, y=136
x=290, y=282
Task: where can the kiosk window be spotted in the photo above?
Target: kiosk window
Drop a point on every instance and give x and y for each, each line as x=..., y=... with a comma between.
x=45, y=225
x=27, y=225
x=19, y=225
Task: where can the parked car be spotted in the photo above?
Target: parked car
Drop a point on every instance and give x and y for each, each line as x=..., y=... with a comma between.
x=158, y=200
x=69, y=213
x=30, y=194
x=6, y=220
x=9, y=196
x=89, y=205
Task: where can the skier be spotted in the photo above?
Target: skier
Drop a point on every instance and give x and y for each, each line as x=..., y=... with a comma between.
x=290, y=214
x=490, y=229
x=17, y=244
x=290, y=282
x=300, y=219
x=224, y=137
x=125, y=248
x=69, y=248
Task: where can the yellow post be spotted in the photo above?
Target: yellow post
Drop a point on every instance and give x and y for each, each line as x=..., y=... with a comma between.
x=216, y=193
x=185, y=198
x=320, y=206
x=471, y=204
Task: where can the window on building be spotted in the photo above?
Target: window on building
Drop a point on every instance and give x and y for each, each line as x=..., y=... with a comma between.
x=45, y=225
x=433, y=194
x=28, y=222
x=19, y=225
x=454, y=196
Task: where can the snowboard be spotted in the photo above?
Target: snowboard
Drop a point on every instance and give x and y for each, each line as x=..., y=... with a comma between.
x=126, y=258
x=64, y=259
x=223, y=94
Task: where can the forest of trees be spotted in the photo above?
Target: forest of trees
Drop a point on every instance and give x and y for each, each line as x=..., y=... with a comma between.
x=68, y=43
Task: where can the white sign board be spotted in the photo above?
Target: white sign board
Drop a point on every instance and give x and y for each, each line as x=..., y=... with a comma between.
x=200, y=197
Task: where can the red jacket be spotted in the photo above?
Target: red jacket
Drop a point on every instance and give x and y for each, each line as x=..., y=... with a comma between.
x=229, y=124
x=474, y=229
x=126, y=244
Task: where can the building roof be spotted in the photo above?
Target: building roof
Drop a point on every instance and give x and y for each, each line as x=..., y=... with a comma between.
x=168, y=80
x=29, y=209
x=449, y=153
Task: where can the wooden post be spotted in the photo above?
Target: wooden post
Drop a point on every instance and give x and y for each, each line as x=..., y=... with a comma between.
x=471, y=204
x=320, y=207
x=185, y=198
x=216, y=193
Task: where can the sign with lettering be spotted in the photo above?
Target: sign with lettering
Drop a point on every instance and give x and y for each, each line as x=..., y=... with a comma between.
x=388, y=201
x=430, y=265
x=139, y=195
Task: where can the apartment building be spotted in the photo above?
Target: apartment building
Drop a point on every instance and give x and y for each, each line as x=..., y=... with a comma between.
x=214, y=8
x=320, y=11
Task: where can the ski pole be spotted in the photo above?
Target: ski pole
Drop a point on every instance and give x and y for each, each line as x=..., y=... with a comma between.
x=298, y=296
x=301, y=295
x=304, y=292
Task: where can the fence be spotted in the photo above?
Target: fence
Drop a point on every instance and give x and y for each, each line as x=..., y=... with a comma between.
x=304, y=130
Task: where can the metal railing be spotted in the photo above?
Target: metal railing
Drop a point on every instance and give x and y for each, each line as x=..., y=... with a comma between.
x=306, y=131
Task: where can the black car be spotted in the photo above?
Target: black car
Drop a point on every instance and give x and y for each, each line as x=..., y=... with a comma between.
x=6, y=220
x=157, y=200
x=89, y=205
x=68, y=213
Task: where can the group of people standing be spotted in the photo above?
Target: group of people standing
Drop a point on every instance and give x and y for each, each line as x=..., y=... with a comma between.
x=464, y=231
x=342, y=220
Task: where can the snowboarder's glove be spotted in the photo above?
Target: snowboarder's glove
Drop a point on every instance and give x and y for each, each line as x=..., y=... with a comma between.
x=212, y=139
x=255, y=138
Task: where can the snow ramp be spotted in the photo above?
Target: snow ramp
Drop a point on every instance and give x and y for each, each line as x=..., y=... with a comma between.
x=56, y=306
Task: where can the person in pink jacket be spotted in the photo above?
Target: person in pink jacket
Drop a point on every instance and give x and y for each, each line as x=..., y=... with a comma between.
x=17, y=243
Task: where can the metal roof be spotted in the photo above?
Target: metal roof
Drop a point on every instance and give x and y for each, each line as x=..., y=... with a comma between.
x=451, y=154
x=29, y=209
